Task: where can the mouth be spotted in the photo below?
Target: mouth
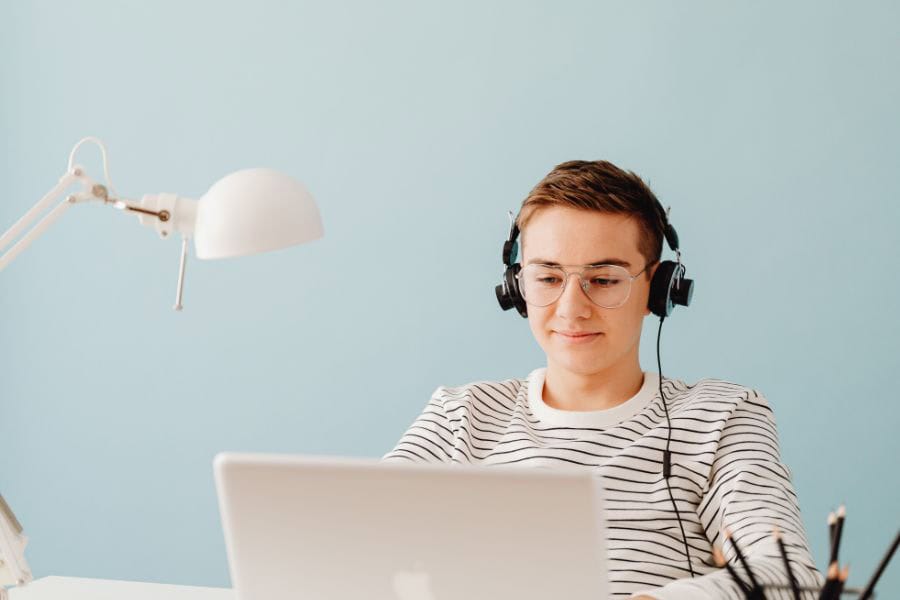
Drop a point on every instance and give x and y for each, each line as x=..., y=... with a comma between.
x=578, y=336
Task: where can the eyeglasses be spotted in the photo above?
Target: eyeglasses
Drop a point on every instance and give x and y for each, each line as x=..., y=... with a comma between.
x=607, y=286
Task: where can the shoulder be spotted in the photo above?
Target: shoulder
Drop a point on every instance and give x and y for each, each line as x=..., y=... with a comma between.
x=716, y=396
x=483, y=396
x=737, y=417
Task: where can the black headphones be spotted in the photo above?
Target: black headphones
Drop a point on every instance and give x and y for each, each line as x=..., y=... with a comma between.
x=667, y=288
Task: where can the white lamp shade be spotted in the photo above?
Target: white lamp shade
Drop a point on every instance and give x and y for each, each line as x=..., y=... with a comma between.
x=253, y=211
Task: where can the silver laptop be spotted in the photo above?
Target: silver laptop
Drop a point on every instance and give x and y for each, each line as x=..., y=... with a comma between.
x=313, y=528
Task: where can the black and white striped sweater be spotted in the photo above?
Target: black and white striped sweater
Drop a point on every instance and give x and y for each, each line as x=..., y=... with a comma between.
x=726, y=473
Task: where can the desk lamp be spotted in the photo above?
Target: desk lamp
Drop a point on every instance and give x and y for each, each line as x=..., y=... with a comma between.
x=247, y=212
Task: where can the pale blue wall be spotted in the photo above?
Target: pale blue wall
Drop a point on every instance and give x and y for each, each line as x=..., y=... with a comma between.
x=771, y=128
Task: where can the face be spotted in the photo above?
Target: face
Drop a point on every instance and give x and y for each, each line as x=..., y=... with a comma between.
x=571, y=237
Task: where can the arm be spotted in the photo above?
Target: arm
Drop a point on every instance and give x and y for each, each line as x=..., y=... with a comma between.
x=749, y=493
x=429, y=438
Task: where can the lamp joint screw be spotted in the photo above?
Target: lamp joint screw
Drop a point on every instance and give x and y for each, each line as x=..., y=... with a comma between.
x=164, y=215
x=99, y=191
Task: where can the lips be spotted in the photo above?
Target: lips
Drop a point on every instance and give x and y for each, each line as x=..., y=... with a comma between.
x=577, y=333
x=578, y=337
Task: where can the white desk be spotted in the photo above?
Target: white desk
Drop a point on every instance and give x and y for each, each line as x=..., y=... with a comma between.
x=77, y=588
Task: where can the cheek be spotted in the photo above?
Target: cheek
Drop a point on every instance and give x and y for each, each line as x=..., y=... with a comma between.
x=633, y=315
x=537, y=320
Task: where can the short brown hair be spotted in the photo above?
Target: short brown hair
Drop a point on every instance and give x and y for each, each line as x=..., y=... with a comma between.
x=600, y=186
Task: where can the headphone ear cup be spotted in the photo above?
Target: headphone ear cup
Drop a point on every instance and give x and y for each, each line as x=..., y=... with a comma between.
x=503, y=295
x=512, y=285
x=659, y=302
x=508, y=294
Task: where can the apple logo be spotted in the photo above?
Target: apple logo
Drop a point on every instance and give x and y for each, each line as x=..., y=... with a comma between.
x=413, y=584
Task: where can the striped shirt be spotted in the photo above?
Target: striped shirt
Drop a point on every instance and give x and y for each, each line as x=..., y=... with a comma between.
x=726, y=474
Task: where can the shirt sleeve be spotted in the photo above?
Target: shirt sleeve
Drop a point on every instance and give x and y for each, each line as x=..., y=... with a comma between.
x=749, y=493
x=430, y=438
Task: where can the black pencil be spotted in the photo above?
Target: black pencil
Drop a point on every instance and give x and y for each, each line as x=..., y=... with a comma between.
x=836, y=538
x=830, y=586
x=832, y=520
x=755, y=590
x=787, y=564
x=870, y=587
x=720, y=561
x=842, y=579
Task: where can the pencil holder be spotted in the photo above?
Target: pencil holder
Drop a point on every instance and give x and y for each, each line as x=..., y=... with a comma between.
x=835, y=578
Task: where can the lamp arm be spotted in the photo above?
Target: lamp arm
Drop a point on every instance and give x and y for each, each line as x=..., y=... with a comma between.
x=90, y=191
x=64, y=182
x=37, y=230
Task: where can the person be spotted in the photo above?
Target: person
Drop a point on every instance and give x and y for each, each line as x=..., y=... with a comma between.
x=591, y=241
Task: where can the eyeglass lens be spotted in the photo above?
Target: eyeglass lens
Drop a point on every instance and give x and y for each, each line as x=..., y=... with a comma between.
x=607, y=286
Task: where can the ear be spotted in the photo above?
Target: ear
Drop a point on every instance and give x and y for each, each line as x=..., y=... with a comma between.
x=652, y=272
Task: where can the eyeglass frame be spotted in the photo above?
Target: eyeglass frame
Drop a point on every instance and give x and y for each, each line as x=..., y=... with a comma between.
x=566, y=269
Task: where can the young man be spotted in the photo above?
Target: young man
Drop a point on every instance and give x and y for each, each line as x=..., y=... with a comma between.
x=591, y=237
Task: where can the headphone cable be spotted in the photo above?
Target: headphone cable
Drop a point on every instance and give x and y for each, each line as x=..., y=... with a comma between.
x=667, y=455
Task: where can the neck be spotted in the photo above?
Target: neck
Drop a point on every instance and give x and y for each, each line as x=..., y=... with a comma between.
x=603, y=390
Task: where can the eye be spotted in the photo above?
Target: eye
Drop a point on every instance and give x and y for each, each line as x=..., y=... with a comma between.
x=605, y=282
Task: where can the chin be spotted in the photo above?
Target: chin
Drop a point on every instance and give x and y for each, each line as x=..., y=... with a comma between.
x=581, y=365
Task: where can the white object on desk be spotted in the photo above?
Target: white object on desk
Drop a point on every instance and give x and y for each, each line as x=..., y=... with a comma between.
x=322, y=528
x=76, y=588
x=14, y=568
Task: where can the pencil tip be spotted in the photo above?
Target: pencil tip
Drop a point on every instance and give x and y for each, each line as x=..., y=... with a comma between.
x=832, y=518
x=842, y=511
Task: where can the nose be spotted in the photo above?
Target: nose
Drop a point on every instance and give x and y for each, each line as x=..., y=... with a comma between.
x=574, y=302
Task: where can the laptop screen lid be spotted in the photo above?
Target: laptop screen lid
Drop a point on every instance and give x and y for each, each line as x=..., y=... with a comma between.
x=315, y=528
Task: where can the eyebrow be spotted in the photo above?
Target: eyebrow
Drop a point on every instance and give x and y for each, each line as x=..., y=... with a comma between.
x=606, y=261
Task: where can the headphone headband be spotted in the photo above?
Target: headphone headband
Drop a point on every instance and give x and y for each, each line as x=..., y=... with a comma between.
x=511, y=247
